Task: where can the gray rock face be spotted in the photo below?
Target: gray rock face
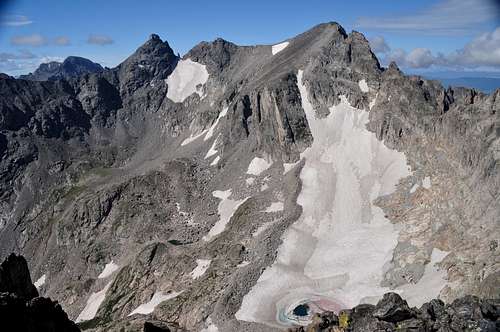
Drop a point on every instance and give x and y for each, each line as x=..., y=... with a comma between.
x=103, y=167
x=72, y=66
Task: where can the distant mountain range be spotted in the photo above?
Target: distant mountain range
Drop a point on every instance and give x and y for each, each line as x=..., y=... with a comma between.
x=484, y=84
x=72, y=66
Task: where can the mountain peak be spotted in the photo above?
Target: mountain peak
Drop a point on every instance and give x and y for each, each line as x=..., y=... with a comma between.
x=72, y=66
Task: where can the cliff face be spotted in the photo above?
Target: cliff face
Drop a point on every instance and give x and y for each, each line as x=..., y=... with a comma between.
x=183, y=178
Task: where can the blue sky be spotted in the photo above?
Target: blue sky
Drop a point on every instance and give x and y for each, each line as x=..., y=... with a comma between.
x=419, y=35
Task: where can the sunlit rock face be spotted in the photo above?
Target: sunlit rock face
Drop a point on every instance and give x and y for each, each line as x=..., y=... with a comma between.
x=334, y=256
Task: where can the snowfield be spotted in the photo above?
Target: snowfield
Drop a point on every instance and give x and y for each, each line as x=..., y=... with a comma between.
x=158, y=297
x=363, y=86
x=279, y=47
x=334, y=256
x=185, y=80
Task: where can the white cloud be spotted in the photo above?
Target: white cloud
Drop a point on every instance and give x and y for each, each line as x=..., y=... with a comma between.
x=29, y=40
x=482, y=51
x=99, y=40
x=378, y=45
x=15, y=20
x=62, y=41
x=443, y=18
x=21, y=55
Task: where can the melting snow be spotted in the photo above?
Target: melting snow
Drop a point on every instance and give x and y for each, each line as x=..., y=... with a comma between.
x=93, y=304
x=274, y=207
x=184, y=80
x=40, y=282
x=108, y=270
x=363, y=85
x=158, y=297
x=201, y=268
x=426, y=183
x=226, y=209
x=214, y=125
x=338, y=248
x=279, y=47
x=258, y=165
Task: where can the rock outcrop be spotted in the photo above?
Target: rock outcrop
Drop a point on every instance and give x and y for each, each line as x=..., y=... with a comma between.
x=392, y=313
x=21, y=309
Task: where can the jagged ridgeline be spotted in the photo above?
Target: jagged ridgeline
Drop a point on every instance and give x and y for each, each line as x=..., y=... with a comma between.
x=247, y=188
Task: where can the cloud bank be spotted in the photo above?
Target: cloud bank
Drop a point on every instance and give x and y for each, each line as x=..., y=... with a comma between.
x=99, y=40
x=482, y=51
x=447, y=17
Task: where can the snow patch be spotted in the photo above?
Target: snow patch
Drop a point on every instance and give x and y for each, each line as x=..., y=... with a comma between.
x=374, y=100
x=214, y=125
x=215, y=161
x=335, y=253
x=93, y=304
x=212, y=151
x=430, y=284
x=185, y=80
x=192, y=138
x=158, y=297
x=243, y=264
x=109, y=269
x=363, y=86
x=289, y=166
x=414, y=188
x=250, y=181
x=210, y=326
x=426, y=182
x=227, y=207
x=274, y=207
x=40, y=282
x=279, y=47
x=258, y=165
x=200, y=269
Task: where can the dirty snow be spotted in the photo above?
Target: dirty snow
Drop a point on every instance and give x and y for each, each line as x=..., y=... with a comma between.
x=158, y=297
x=200, y=269
x=108, y=270
x=258, y=165
x=363, y=86
x=336, y=251
x=214, y=125
x=40, y=282
x=426, y=182
x=274, y=207
x=192, y=138
x=185, y=80
x=279, y=47
x=226, y=209
x=93, y=304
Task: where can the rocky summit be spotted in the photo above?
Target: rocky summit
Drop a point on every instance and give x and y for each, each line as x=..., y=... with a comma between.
x=253, y=188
